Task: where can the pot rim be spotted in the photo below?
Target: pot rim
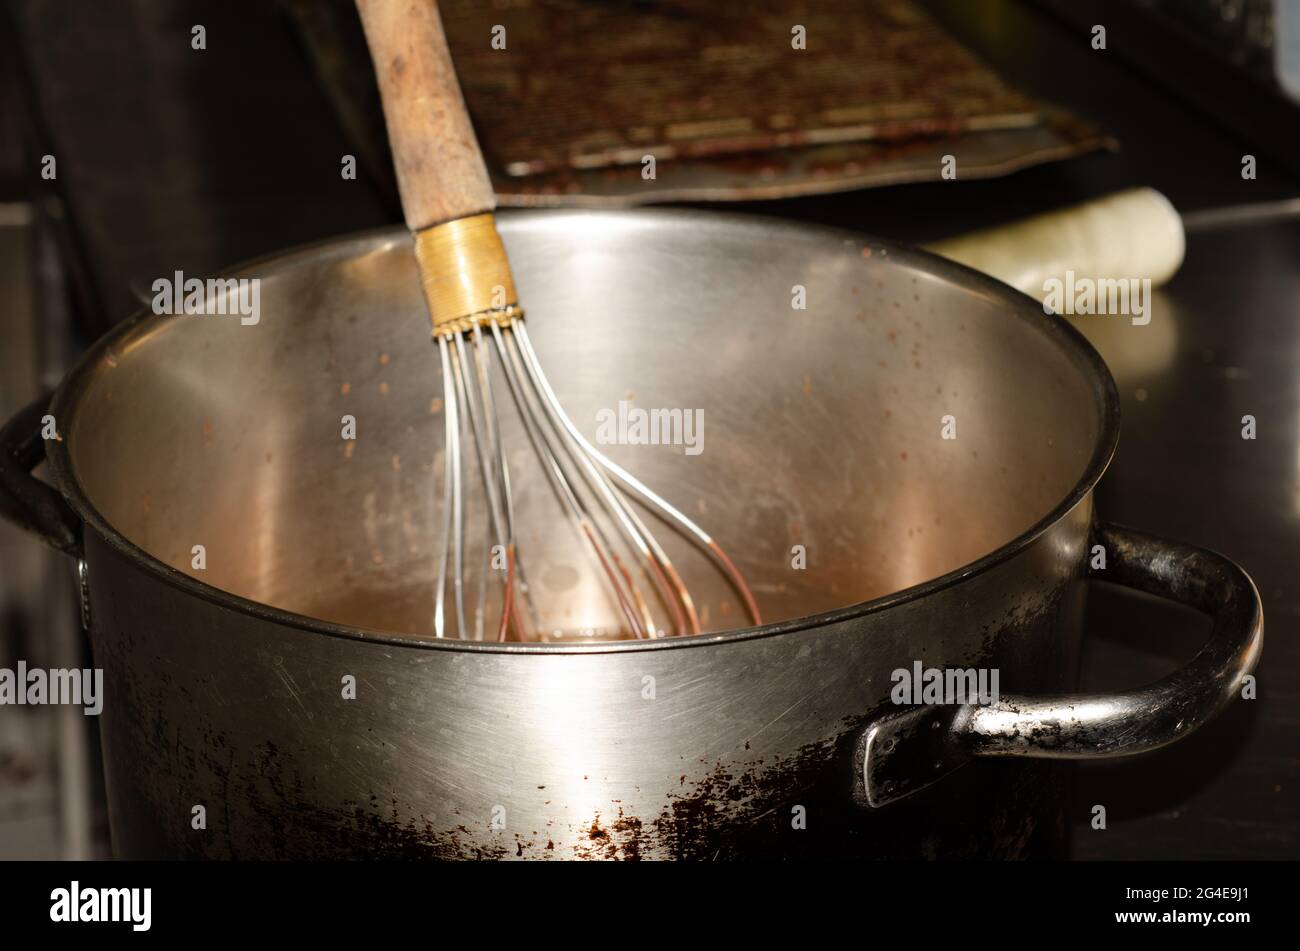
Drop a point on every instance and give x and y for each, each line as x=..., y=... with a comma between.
x=1020, y=307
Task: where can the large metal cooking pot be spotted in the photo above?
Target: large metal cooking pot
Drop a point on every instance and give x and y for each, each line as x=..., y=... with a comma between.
x=824, y=428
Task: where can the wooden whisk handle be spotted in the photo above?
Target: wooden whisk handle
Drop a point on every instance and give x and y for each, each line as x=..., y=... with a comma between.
x=447, y=197
x=440, y=170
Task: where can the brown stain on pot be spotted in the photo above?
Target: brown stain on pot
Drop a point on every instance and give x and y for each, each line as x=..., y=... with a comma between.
x=266, y=801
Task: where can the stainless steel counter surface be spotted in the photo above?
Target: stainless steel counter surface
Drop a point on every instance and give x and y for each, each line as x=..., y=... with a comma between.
x=1224, y=343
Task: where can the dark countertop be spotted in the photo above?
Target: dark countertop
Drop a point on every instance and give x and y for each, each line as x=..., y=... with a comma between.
x=260, y=173
x=1183, y=470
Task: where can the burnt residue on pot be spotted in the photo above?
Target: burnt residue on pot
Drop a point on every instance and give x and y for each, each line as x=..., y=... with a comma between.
x=268, y=801
x=802, y=807
x=729, y=814
x=265, y=807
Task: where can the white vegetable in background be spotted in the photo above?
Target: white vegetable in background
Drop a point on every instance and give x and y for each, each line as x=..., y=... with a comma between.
x=1131, y=234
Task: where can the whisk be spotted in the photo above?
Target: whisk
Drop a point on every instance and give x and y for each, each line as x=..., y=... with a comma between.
x=479, y=331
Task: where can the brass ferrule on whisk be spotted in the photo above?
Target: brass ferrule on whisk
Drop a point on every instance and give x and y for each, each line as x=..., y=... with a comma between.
x=466, y=274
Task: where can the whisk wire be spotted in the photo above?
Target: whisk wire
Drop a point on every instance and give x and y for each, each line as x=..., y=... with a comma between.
x=456, y=393
x=568, y=460
x=451, y=488
x=617, y=508
x=637, y=488
x=472, y=395
x=526, y=400
x=483, y=356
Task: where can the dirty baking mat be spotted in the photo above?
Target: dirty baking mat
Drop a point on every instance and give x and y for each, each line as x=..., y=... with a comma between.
x=716, y=92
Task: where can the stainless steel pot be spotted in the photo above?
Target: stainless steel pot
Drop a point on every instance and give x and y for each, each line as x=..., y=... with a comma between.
x=226, y=685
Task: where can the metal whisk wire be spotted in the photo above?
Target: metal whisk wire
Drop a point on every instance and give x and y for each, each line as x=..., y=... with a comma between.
x=568, y=460
x=614, y=506
x=475, y=399
x=643, y=494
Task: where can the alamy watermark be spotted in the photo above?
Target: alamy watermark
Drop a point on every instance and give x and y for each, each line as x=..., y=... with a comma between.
x=633, y=426
x=84, y=904
x=1129, y=296
x=941, y=686
x=35, y=686
x=178, y=294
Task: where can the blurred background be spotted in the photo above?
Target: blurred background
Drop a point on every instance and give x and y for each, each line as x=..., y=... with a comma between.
x=170, y=157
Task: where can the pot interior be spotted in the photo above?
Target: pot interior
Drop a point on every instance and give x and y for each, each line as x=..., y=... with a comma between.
x=822, y=427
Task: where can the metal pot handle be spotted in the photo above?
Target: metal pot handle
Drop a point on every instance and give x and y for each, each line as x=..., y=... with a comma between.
x=907, y=751
x=24, y=499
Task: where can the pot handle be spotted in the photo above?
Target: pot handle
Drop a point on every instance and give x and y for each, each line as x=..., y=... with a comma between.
x=907, y=751
x=24, y=499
